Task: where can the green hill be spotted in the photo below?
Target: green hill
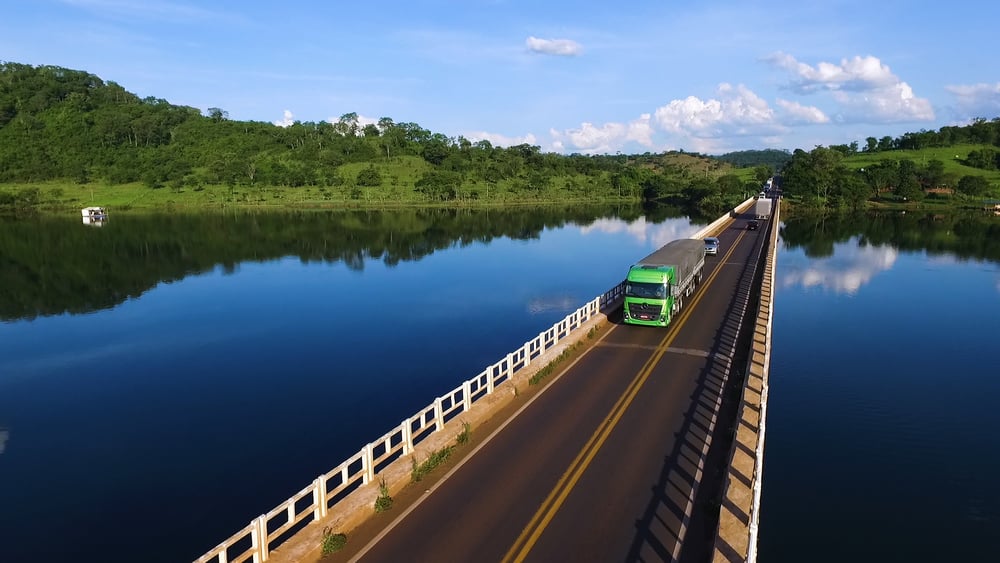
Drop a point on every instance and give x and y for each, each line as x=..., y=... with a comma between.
x=68, y=137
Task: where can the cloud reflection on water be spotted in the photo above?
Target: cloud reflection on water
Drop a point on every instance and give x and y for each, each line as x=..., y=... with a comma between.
x=850, y=267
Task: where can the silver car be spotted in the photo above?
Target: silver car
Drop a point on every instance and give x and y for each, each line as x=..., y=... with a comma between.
x=711, y=245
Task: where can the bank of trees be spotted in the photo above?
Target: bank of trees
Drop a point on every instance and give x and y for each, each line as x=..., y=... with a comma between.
x=822, y=178
x=58, y=124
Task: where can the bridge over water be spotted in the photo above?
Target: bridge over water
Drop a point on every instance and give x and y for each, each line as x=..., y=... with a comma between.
x=642, y=444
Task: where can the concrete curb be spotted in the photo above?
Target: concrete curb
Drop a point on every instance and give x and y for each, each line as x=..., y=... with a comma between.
x=736, y=537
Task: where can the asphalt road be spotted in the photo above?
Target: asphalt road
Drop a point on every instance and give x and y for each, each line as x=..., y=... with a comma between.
x=605, y=464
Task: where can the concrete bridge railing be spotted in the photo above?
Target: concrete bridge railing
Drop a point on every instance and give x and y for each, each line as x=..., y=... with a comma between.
x=739, y=515
x=263, y=534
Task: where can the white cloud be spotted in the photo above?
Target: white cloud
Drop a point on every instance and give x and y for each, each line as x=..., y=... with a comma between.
x=798, y=113
x=591, y=139
x=498, y=140
x=288, y=118
x=977, y=100
x=641, y=130
x=561, y=47
x=865, y=88
x=857, y=74
x=737, y=111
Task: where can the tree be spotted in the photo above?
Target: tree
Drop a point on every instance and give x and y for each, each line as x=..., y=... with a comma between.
x=729, y=185
x=439, y=184
x=369, y=176
x=825, y=163
x=852, y=191
x=933, y=175
x=907, y=186
x=973, y=185
x=762, y=173
x=871, y=144
x=436, y=149
x=881, y=176
x=217, y=114
x=985, y=159
x=347, y=125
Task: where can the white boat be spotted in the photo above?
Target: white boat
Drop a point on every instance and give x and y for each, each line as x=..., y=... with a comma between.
x=94, y=216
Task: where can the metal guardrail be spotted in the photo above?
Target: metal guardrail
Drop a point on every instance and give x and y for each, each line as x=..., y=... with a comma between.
x=256, y=540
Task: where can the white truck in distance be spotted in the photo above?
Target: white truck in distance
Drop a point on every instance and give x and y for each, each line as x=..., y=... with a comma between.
x=763, y=208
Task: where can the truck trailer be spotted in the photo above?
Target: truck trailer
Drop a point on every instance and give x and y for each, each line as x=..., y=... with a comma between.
x=763, y=208
x=656, y=287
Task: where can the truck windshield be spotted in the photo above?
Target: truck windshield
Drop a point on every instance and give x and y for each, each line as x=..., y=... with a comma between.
x=645, y=290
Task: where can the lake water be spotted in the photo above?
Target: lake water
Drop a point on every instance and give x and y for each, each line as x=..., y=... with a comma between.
x=164, y=379
x=882, y=440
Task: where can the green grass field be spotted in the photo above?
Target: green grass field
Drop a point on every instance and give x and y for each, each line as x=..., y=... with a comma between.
x=950, y=156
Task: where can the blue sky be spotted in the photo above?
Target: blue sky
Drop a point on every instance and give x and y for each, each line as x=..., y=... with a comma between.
x=583, y=76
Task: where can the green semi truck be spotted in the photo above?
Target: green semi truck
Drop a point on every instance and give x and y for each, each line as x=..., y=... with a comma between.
x=656, y=287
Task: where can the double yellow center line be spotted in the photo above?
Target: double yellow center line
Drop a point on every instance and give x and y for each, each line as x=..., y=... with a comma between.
x=547, y=511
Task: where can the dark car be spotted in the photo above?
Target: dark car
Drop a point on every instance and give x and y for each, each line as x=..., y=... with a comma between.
x=752, y=225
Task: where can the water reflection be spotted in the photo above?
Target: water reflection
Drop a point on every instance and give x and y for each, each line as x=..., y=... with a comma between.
x=558, y=303
x=850, y=267
x=4, y=435
x=50, y=269
x=847, y=251
x=643, y=231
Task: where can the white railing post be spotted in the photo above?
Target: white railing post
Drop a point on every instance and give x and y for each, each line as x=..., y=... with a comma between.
x=466, y=396
x=438, y=415
x=368, y=461
x=527, y=353
x=319, y=497
x=258, y=539
x=407, y=437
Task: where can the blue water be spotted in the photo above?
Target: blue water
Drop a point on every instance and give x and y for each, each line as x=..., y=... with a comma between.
x=153, y=428
x=164, y=424
x=884, y=394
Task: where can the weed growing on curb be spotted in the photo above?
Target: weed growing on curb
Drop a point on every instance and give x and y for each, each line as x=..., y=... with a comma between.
x=332, y=542
x=551, y=367
x=435, y=459
x=384, y=501
x=545, y=371
x=465, y=434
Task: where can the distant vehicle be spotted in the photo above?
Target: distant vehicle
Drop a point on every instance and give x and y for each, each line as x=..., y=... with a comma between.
x=752, y=225
x=711, y=246
x=656, y=287
x=762, y=209
x=761, y=195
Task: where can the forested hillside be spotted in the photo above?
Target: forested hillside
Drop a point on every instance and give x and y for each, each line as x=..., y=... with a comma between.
x=959, y=163
x=768, y=157
x=70, y=126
